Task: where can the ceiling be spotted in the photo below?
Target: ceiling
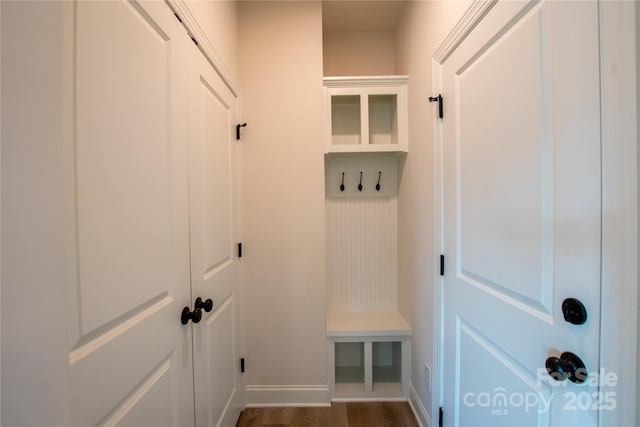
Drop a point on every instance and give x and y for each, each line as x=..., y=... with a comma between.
x=345, y=16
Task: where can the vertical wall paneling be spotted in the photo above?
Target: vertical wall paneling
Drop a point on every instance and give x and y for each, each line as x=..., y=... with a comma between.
x=362, y=234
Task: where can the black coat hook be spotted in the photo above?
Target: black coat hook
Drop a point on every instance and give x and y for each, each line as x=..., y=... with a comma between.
x=360, y=185
x=342, y=184
x=238, y=126
x=378, y=184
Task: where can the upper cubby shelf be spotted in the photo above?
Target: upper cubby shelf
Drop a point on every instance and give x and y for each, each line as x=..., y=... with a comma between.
x=366, y=114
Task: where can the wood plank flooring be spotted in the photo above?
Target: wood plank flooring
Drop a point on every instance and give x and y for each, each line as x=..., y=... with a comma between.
x=351, y=414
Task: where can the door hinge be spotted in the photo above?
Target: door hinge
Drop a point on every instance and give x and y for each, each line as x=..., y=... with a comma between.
x=238, y=126
x=240, y=250
x=193, y=39
x=442, y=265
x=440, y=417
x=440, y=102
x=242, y=365
x=178, y=17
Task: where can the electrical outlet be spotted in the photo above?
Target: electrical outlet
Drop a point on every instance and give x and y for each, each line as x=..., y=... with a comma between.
x=427, y=376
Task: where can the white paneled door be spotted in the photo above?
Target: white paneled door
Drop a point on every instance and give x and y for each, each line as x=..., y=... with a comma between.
x=213, y=157
x=131, y=357
x=155, y=220
x=522, y=219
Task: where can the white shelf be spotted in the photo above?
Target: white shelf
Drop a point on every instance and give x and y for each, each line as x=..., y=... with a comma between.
x=383, y=119
x=366, y=323
x=349, y=388
x=394, y=388
x=345, y=120
x=350, y=375
x=366, y=114
x=387, y=367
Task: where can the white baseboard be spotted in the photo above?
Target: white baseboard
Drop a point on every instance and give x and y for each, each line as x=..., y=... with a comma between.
x=287, y=395
x=418, y=408
x=369, y=399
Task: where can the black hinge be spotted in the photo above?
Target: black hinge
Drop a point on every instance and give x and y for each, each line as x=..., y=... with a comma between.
x=193, y=39
x=238, y=126
x=240, y=250
x=442, y=265
x=242, y=365
x=178, y=17
x=440, y=104
x=440, y=417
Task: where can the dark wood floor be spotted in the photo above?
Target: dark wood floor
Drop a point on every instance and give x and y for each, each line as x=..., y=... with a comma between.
x=352, y=414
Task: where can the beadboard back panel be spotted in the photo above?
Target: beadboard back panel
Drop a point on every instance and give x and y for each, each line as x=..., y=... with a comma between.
x=362, y=263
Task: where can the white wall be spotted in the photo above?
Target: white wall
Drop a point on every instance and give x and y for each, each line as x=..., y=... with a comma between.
x=422, y=28
x=280, y=65
x=35, y=273
x=219, y=21
x=359, y=54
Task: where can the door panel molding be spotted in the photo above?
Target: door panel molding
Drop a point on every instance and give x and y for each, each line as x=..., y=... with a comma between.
x=145, y=399
x=503, y=219
x=113, y=332
x=221, y=368
x=124, y=215
x=522, y=383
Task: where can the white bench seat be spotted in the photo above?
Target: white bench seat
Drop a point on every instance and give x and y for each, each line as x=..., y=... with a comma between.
x=366, y=323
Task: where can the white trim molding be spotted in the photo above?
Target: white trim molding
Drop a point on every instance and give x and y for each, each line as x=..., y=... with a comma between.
x=619, y=319
x=365, y=81
x=181, y=9
x=420, y=412
x=287, y=395
x=438, y=245
x=467, y=23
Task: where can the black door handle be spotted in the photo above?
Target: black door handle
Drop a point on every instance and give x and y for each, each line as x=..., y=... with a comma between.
x=204, y=305
x=568, y=366
x=574, y=311
x=195, y=316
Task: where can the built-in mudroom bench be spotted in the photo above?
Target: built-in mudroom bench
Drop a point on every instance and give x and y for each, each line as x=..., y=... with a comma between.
x=368, y=340
x=369, y=355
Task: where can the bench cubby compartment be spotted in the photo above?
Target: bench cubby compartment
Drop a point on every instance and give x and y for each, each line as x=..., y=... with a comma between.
x=369, y=355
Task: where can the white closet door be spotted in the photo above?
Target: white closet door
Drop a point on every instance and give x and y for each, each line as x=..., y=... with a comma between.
x=215, y=273
x=522, y=208
x=131, y=357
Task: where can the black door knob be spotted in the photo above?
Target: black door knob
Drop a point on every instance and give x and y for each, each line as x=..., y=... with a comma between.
x=204, y=305
x=574, y=311
x=568, y=366
x=195, y=316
